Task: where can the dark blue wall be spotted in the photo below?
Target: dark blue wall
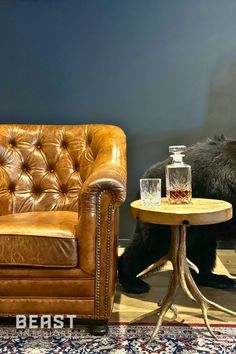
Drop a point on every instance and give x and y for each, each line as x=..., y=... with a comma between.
x=164, y=70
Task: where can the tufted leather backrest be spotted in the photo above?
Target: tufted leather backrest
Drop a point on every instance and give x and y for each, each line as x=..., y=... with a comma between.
x=42, y=167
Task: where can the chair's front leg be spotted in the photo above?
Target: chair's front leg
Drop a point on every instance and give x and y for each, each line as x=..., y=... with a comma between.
x=99, y=328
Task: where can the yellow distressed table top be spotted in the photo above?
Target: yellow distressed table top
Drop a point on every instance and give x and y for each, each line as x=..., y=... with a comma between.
x=200, y=212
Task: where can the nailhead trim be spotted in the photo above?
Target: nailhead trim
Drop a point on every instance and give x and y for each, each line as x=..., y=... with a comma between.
x=108, y=252
x=98, y=254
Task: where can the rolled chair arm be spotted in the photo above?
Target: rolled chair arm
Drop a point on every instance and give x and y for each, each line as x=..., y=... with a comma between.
x=103, y=191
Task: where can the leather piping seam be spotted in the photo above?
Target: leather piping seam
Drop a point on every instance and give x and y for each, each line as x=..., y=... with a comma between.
x=108, y=255
x=98, y=255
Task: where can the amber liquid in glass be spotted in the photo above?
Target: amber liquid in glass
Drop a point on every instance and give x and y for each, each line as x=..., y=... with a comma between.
x=179, y=196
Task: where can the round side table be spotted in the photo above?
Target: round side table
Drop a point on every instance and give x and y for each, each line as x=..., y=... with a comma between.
x=199, y=212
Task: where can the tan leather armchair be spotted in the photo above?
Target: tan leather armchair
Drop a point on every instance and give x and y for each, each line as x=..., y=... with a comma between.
x=60, y=192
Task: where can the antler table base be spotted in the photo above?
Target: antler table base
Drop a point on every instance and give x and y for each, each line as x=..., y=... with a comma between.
x=201, y=211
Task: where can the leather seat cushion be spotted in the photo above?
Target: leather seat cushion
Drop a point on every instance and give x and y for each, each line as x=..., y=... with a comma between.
x=40, y=239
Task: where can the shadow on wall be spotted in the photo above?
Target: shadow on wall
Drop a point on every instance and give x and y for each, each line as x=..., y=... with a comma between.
x=221, y=118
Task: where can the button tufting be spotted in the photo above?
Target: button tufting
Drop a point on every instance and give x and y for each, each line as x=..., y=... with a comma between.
x=76, y=167
x=12, y=143
x=12, y=187
x=64, y=144
x=37, y=190
x=25, y=168
x=89, y=140
x=64, y=189
x=2, y=161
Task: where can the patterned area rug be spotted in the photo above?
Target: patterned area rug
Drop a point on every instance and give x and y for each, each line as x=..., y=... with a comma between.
x=122, y=338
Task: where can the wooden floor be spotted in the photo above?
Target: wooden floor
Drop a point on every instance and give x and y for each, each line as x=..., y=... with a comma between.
x=228, y=258
x=128, y=307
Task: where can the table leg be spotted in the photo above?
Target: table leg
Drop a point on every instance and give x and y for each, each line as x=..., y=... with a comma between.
x=174, y=283
x=189, y=286
x=167, y=302
x=181, y=276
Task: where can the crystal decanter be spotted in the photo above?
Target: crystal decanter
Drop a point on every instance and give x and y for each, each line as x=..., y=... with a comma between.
x=178, y=177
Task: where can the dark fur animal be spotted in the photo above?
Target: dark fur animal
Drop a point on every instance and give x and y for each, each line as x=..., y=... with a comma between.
x=213, y=165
